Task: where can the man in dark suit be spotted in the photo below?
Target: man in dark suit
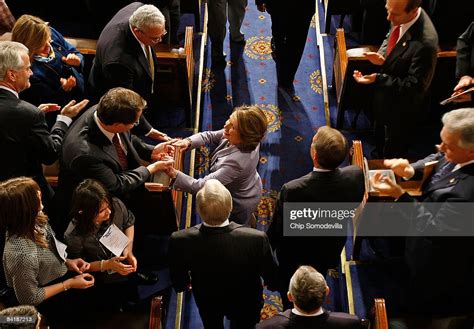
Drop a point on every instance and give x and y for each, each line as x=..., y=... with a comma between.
x=25, y=139
x=465, y=65
x=99, y=146
x=326, y=183
x=307, y=292
x=290, y=26
x=408, y=59
x=226, y=263
x=125, y=57
x=439, y=252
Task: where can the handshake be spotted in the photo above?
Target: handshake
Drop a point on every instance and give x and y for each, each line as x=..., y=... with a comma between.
x=162, y=157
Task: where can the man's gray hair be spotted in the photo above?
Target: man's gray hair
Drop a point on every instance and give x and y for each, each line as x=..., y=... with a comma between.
x=147, y=16
x=308, y=288
x=214, y=202
x=461, y=121
x=10, y=57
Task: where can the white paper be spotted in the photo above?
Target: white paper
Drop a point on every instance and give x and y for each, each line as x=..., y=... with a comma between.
x=61, y=248
x=114, y=240
x=385, y=172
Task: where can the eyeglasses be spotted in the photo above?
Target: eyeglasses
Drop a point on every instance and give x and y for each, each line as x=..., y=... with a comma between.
x=154, y=39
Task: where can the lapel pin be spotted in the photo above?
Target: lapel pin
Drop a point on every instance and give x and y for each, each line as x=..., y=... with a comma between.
x=404, y=44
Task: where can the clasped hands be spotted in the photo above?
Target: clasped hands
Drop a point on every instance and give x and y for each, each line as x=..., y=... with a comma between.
x=385, y=185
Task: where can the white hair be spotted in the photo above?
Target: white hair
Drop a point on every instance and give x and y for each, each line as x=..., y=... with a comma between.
x=10, y=57
x=147, y=16
x=214, y=202
x=461, y=121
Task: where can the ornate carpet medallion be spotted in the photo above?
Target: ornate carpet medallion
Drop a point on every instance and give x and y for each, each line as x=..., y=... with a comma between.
x=274, y=116
x=259, y=48
x=208, y=80
x=316, y=82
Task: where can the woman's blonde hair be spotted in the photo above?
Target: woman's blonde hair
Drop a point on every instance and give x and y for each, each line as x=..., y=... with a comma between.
x=252, y=125
x=31, y=31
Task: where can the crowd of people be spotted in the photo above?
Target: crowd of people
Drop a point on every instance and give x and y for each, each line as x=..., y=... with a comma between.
x=106, y=164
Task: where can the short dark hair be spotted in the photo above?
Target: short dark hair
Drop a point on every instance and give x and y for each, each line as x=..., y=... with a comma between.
x=308, y=288
x=120, y=105
x=252, y=125
x=86, y=202
x=412, y=4
x=330, y=146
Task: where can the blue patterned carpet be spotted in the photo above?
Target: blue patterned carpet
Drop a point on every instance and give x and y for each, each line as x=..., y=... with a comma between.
x=249, y=77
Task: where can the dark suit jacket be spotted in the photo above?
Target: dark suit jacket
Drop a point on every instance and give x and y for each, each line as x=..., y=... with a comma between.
x=405, y=76
x=327, y=320
x=441, y=268
x=25, y=140
x=465, y=53
x=121, y=62
x=88, y=153
x=341, y=185
x=223, y=264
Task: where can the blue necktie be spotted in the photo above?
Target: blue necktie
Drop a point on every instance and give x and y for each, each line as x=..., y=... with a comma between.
x=446, y=169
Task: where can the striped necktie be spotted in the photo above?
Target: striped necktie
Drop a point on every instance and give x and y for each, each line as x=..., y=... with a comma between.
x=151, y=65
x=120, y=152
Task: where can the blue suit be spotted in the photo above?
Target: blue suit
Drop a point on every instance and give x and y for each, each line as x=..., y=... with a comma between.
x=441, y=268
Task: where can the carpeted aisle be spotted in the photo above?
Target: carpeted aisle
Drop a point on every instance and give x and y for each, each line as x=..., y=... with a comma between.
x=249, y=77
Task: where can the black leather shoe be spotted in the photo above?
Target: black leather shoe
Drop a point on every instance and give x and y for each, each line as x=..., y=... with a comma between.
x=146, y=278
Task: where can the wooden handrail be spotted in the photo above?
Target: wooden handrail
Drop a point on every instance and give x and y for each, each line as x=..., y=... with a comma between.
x=380, y=316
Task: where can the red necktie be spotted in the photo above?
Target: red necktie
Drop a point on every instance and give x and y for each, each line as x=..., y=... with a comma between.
x=392, y=41
x=120, y=152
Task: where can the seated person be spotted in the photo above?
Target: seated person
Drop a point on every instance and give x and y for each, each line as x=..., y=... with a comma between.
x=233, y=162
x=35, y=264
x=439, y=238
x=307, y=292
x=222, y=261
x=93, y=212
x=57, y=66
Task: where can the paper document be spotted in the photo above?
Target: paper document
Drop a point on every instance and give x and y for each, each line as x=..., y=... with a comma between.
x=61, y=248
x=114, y=240
x=385, y=172
x=450, y=99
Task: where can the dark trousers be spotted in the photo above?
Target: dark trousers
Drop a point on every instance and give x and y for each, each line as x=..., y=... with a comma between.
x=289, y=33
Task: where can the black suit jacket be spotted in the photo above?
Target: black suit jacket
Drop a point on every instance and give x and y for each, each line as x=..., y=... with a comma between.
x=341, y=185
x=327, y=320
x=121, y=62
x=223, y=264
x=405, y=76
x=441, y=268
x=88, y=153
x=25, y=140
